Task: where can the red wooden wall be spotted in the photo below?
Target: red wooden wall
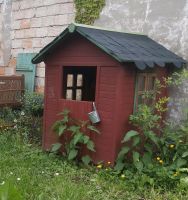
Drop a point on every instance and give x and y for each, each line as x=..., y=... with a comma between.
x=114, y=94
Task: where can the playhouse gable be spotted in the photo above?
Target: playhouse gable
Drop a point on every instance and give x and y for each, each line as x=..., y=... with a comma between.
x=124, y=47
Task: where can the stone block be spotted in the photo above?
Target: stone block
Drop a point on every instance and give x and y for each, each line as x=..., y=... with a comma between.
x=17, y=43
x=25, y=23
x=27, y=43
x=16, y=24
x=9, y=71
x=41, y=11
x=46, y=40
x=37, y=42
x=40, y=72
x=19, y=34
x=41, y=32
x=48, y=21
x=55, y=31
x=17, y=15
x=36, y=22
x=2, y=70
x=15, y=5
x=28, y=33
x=15, y=52
x=26, y=4
x=39, y=82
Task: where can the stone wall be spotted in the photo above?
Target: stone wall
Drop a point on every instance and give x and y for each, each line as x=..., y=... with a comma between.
x=34, y=24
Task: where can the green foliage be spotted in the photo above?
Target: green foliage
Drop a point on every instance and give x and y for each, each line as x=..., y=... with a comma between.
x=77, y=139
x=157, y=148
x=27, y=120
x=87, y=11
x=33, y=104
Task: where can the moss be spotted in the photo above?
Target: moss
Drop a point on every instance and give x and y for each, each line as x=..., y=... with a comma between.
x=87, y=11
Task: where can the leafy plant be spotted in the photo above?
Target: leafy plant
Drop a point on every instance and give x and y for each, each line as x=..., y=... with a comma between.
x=156, y=147
x=75, y=137
x=33, y=104
x=87, y=11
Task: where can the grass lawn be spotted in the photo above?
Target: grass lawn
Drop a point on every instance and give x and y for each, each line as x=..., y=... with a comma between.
x=40, y=176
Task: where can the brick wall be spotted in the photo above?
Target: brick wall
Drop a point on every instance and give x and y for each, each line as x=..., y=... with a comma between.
x=34, y=24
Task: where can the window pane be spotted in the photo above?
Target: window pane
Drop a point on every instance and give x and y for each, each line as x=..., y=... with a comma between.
x=140, y=99
x=151, y=83
x=141, y=82
x=79, y=94
x=69, y=80
x=79, y=80
x=69, y=94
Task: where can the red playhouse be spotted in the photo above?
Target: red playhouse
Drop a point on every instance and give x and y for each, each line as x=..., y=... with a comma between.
x=86, y=64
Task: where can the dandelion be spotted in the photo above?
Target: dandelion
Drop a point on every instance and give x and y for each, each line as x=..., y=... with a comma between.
x=122, y=176
x=99, y=166
x=11, y=173
x=161, y=162
x=42, y=172
x=56, y=174
x=2, y=183
x=15, y=120
x=158, y=158
x=18, y=179
x=171, y=146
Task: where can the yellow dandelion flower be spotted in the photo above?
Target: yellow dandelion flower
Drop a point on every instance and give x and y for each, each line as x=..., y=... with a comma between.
x=161, y=161
x=99, y=166
x=171, y=146
x=158, y=158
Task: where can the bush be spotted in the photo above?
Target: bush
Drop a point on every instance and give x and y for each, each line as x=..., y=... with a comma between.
x=25, y=121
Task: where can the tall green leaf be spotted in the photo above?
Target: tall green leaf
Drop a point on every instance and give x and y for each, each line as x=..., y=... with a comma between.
x=122, y=153
x=61, y=129
x=185, y=154
x=136, y=156
x=119, y=166
x=72, y=154
x=181, y=162
x=93, y=128
x=56, y=147
x=85, y=139
x=90, y=145
x=129, y=135
x=77, y=138
x=86, y=159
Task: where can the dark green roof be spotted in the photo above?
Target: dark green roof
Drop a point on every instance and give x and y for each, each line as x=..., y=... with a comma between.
x=124, y=47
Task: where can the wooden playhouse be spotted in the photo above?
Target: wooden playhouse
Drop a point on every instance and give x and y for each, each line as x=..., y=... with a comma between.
x=87, y=64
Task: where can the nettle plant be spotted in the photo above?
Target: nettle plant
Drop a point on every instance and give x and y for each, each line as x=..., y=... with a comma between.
x=75, y=138
x=155, y=146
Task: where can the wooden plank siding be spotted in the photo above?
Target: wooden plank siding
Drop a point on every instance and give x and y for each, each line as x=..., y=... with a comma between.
x=114, y=95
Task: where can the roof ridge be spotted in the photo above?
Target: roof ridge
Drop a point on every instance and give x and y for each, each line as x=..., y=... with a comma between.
x=104, y=29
